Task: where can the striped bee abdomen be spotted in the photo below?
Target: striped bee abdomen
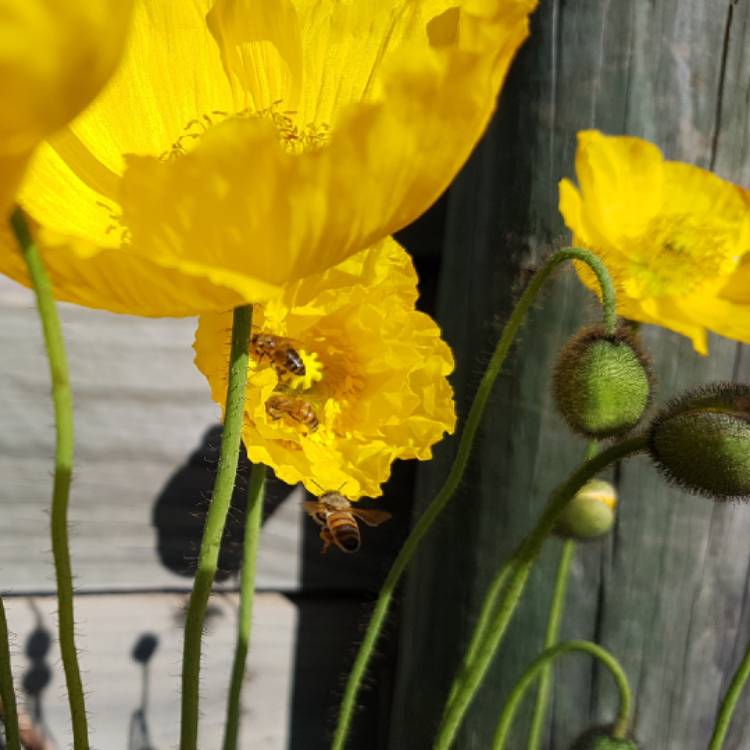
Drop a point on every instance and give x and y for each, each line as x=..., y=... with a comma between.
x=344, y=531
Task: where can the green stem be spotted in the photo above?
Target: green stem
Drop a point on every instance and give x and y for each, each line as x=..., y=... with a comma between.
x=550, y=639
x=620, y=728
x=730, y=702
x=63, y=404
x=522, y=562
x=484, y=620
x=208, y=557
x=255, y=494
x=456, y=473
x=7, y=693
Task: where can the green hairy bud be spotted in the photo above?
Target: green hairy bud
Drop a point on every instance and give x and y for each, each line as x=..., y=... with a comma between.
x=701, y=441
x=602, y=383
x=599, y=739
x=590, y=514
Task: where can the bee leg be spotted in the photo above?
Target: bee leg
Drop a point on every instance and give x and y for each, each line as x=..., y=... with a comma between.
x=326, y=537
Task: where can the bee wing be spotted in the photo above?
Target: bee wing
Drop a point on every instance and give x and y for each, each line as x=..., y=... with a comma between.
x=315, y=510
x=371, y=517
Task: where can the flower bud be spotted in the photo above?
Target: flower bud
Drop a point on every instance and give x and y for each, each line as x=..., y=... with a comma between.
x=603, y=742
x=701, y=441
x=590, y=514
x=599, y=738
x=602, y=382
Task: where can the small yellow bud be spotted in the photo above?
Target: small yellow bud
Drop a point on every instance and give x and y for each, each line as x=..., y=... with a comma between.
x=590, y=514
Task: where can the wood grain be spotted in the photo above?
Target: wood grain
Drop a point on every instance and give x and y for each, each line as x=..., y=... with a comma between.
x=667, y=591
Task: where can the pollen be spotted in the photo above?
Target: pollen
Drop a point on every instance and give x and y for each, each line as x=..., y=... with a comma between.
x=293, y=138
x=313, y=372
x=678, y=256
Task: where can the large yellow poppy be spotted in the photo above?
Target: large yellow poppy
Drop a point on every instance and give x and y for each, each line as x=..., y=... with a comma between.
x=675, y=237
x=55, y=55
x=246, y=143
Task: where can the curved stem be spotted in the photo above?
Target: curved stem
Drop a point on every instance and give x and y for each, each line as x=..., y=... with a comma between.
x=483, y=622
x=550, y=639
x=208, y=557
x=63, y=404
x=542, y=663
x=458, y=467
x=7, y=692
x=522, y=562
x=730, y=702
x=255, y=494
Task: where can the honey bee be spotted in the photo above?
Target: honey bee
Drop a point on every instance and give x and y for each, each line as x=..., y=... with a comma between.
x=338, y=521
x=278, y=351
x=296, y=409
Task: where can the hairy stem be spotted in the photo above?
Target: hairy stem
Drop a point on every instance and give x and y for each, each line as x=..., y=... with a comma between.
x=458, y=467
x=550, y=639
x=255, y=494
x=208, y=557
x=7, y=692
x=522, y=561
x=62, y=399
x=542, y=663
x=724, y=719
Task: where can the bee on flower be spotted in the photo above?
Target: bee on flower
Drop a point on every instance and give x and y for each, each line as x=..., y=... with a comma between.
x=375, y=386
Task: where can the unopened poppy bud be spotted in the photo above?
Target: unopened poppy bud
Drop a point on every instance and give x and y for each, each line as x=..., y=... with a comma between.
x=701, y=441
x=590, y=514
x=600, y=739
x=602, y=382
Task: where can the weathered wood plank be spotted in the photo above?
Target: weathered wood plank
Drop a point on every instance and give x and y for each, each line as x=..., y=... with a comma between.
x=146, y=445
x=130, y=656
x=667, y=592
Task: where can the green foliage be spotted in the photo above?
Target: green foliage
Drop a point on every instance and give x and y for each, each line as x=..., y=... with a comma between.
x=599, y=739
x=602, y=383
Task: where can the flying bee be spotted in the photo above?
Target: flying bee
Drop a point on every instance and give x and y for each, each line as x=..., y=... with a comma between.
x=278, y=351
x=338, y=520
x=296, y=409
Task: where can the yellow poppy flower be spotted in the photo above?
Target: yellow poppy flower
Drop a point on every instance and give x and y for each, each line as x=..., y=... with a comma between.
x=246, y=143
x=676, y=238
x=375, y=375
x=54, y=57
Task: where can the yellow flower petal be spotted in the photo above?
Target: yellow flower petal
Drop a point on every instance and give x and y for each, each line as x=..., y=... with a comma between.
x=54, y=57
x=392, y=98
x=383, y=393
x=672, y=235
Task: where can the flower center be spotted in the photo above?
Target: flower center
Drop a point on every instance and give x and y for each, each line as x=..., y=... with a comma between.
x=678, y=256
x=292, y=137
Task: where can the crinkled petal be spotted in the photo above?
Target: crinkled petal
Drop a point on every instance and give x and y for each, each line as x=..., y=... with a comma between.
x=384, y=393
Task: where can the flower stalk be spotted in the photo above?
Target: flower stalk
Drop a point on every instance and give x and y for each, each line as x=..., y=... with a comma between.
x=62, y=399
x=460, y=462
x=9, y=711
x=724, y=719
x=542, y=663
x=550, y=639
x=255, y=496
x=522, y=562
x=208, y=557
